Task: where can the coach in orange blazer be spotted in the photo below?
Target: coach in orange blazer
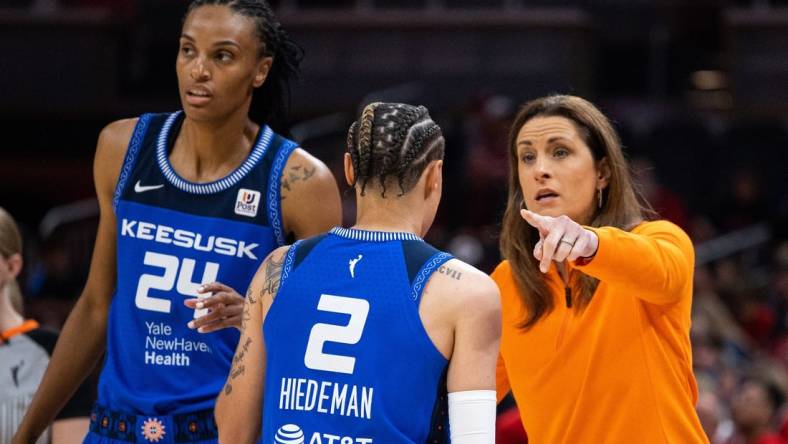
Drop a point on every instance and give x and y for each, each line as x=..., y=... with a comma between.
x=596, y=299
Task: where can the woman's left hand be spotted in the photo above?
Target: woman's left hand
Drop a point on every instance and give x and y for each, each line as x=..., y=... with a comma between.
x=225, y=307
x=560, y=239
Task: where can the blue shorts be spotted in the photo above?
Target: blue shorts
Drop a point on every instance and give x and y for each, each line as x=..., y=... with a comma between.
x=113, y=427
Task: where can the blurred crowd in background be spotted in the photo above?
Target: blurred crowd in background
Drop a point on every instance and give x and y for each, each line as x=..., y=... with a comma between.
x=703, y=160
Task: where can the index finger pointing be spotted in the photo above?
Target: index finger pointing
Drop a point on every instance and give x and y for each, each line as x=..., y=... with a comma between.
x=535, y=220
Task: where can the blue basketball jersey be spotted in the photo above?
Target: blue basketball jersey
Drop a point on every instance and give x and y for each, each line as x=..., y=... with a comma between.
x=347, y=357
x=172, y=236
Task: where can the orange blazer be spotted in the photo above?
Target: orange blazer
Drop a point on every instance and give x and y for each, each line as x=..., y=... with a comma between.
x=620, y=371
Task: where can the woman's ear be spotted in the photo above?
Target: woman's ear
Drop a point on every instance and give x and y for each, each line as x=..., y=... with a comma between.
x=15, y=262
x=350, y=174
x=262, y=71
x=434, y=178
x=602, y=174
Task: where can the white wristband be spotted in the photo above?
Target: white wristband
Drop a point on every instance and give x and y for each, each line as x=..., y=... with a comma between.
x=472, y=417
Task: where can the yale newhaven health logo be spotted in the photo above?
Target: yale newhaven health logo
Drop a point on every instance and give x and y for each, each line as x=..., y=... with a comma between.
x=247, y=203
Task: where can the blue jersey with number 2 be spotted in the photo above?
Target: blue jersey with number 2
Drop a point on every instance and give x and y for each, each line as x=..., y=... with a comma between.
x=348, y=360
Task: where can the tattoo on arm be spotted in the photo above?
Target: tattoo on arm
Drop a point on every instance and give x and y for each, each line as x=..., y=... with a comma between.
x=273, y=274
x=273, y=269
x=296, y=173
x=238, y=367
x=454, y=274
x=250, y=295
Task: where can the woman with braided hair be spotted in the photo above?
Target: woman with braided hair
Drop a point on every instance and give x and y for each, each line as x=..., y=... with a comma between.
x=353, y=334
x=191, y=203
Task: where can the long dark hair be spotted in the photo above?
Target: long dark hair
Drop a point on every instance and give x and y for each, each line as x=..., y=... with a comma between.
x=271, y=101
x=622, y=207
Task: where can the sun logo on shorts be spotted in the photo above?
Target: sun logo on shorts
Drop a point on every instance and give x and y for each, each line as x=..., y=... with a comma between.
x=153, y=430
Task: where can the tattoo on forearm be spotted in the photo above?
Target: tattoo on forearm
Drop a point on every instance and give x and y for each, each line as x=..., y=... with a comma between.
x=238, y=367
x=454, y=274
x=242, y=352
x=246, y=315
x=237, y=372
x=273, y=268
x=250, y=296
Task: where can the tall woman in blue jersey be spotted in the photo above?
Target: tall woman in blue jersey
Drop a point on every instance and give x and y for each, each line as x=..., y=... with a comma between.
x=205, y=192
x=415, y=314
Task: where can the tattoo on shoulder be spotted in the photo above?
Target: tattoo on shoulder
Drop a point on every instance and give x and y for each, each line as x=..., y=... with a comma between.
x=296, y=173
x=450, y=272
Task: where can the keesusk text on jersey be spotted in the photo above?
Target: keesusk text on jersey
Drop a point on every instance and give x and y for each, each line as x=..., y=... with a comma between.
x=187, y=239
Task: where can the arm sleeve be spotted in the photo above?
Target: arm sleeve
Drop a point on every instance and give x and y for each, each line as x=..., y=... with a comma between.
x=654, y=262
x=472, y=417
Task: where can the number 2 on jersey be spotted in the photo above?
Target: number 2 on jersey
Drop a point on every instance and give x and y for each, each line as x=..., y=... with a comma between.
x=315, y=358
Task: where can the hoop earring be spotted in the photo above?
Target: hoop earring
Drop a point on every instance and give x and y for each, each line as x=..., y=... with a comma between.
x=600, y=196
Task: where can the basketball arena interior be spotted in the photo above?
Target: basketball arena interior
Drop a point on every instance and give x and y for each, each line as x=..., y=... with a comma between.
x=697, y=90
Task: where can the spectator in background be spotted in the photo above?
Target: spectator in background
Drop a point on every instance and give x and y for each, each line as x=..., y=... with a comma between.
x=485, y=169
x=745, y=204
x=665, y=202
x=753, y=410
x=24, y=353
x=708, y=408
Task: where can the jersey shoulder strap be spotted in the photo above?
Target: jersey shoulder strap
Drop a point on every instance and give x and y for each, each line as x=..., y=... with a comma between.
x=296, y=254
x=421, y=260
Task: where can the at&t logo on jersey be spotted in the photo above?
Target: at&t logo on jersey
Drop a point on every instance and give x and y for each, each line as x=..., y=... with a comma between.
x=289, y=434
x=292, y=434
x=247, y=202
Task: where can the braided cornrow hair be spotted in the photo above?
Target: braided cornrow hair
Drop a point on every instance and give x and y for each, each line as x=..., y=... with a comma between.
x=393, y=140
x=273, y=97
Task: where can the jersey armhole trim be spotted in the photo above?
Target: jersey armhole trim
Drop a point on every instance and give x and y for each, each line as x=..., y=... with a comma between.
x=273, y=197
x=131, y=156
x=429, y=267
x=287, y=268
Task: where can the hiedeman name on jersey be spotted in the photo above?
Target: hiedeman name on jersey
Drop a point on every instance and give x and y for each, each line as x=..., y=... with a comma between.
x=187, y=239
x=325, y=397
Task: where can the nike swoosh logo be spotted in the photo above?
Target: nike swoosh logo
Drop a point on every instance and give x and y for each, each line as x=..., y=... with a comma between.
x=143, y=188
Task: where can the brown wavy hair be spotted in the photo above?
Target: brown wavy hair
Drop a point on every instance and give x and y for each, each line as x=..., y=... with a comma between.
x=622, y=206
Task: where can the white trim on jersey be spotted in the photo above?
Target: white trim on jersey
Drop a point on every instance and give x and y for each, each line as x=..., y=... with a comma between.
x=257, y=153
x=373, y=236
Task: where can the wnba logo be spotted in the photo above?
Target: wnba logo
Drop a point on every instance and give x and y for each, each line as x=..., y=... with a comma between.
x=247, y=202
x=289, y=434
